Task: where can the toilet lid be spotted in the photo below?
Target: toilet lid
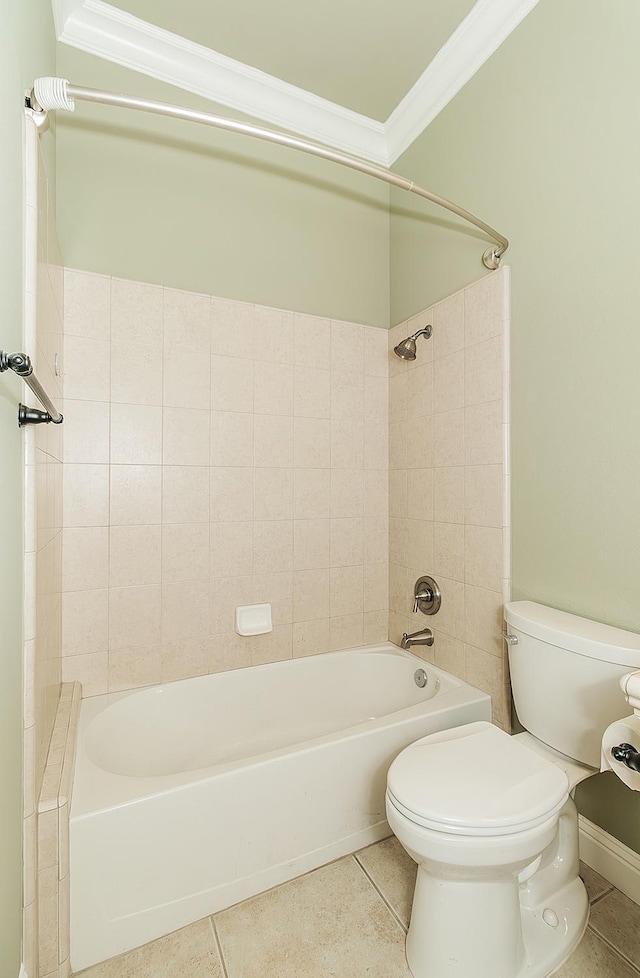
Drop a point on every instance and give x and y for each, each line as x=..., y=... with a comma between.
x=475, y=779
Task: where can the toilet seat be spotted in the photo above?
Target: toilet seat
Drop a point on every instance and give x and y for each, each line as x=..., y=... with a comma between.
x=475, y=780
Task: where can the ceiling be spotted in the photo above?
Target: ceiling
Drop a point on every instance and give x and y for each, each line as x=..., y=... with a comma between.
x=362, y=54
x=362, y=76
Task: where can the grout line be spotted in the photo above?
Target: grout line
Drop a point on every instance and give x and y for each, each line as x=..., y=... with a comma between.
x=223, y=963
x=616, y=950
x=600, y=896
x=381, y=894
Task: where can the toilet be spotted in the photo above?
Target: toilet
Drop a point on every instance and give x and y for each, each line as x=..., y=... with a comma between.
x=489, y=817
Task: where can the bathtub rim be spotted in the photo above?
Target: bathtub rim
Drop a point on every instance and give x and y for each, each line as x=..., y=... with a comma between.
x=117, y=790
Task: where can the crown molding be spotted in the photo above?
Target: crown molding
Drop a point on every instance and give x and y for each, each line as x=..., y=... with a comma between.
x=112, y=34
x=473, y=42
x=100, y=29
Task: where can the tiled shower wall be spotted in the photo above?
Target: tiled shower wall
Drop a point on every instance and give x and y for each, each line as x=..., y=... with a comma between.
x=42, y=630
x=448, y=482
x=216, y=454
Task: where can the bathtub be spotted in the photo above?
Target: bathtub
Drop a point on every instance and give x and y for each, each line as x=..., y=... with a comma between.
x=192, y=796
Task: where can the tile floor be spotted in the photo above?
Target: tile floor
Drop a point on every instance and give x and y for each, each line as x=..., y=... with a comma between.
x=348, y=920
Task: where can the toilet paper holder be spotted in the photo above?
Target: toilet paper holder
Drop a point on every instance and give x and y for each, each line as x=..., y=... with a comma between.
x=627, y=754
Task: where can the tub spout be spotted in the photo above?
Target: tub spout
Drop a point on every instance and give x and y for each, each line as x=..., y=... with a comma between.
x=423, y=637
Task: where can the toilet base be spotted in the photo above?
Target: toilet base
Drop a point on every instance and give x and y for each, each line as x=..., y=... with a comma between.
x=488, y=934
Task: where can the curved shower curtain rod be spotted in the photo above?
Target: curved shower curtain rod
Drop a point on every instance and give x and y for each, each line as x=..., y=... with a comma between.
x=57, y=93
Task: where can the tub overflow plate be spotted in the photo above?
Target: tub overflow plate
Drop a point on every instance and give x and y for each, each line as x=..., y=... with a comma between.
x=420, y=678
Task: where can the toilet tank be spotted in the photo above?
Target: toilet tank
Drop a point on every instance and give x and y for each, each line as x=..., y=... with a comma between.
x=565, y=672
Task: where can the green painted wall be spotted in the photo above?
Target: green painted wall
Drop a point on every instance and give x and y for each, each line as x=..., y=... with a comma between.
x=26, y=46
x=194, y=208
x=544, y=143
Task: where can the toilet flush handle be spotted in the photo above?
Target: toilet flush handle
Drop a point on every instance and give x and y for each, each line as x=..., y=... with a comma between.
x=627, y=754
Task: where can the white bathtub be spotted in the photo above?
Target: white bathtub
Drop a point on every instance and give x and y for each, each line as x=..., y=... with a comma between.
x=193, y=796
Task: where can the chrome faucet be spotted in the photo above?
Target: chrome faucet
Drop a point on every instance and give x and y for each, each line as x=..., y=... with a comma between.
x=416, y=639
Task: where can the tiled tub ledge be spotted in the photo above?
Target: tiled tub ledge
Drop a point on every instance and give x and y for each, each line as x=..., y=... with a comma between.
x=53, y=838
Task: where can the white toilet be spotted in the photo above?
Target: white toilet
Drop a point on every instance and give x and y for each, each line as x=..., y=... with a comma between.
x=488, y=817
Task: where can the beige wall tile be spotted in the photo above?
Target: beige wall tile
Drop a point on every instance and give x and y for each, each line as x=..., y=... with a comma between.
x=486, y=672
x=273, y=494
x=483, y=434
x=448, y=494
x=311, y=493
x=346, y=591
x=376, y=445
x=347, y=543
x=273, y=388
x=129, y=668
x=420, y=442
x=136, y=434
x=227, y=649
x=225, y=595
x=272, y=546
x=448, y=383
x=484, y=619
x=483, y=310
x=347, y=395
x=135, y=616
x=86, y=558
x=312, y=443
x=376, y=587
x=398, y=541
x=232, y=490
x=451, y=616
x=347, y=446
x=398, y=493
x=420, y=494
x=376, y=492
x=136, y=343
x=483, y=371
x=85, y=622
x=376, y=352
x=310, y=637
x=231, y=438
x=448, y=326
x=230, y=320
x=376, y=398
x=347, y=347
x=86, y=431
x=277, y=590
x=420, y=548
x=91, y=671
x=85, y=495
x=376, y=539
x=420, y=391
x=484, y=557
x=398, y=395
x=231, y=384
x=375, y=627
x=273, y=441
x=47, y=823
x=311, y=544
x=273, y=335
x=185, y=494
x=398, y=445
x=449, y=653
x=449, y=550
x=449, y=439
x=346, y=632
x=86, y=304
x=312, y=341
x=186, y=380
x=185, y=552
x=231, y=549
x=185, y=658
x=347, y=493
x=48, y=920
x=134, y=555
x=310, y=595
x=483, y=495
x=185, y=436
x=187, y=323
x=86, y=368
x=135, y=494
x=185, y=612
x=311, y=392
x=273, y=647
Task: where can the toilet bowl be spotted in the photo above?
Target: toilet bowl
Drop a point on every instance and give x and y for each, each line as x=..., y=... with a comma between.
x=478, y=811
x=489, y=818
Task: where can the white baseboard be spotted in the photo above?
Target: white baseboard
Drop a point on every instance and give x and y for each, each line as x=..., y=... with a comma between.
x=611, y=858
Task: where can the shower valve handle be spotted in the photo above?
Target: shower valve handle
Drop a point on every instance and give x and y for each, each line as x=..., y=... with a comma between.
x=426, y=595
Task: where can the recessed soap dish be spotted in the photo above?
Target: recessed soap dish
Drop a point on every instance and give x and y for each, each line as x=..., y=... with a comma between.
x=253, y=619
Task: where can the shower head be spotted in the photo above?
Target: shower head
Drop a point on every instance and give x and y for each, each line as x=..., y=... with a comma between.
x=407, y=349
